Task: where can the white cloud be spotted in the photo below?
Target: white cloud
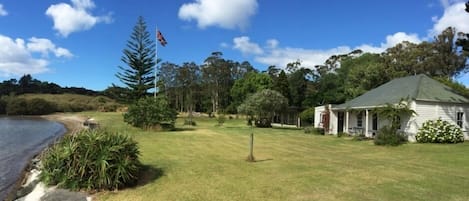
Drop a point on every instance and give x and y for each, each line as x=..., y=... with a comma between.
x=273, y=54
x=244, y=45
x=76, y=17
x=309, y=57
x=44, y=46
x=228, y=14
x=448, y=3
x=454, y=16
x=3, y=12
x=272, y=43
x=16, y=56
x=392, y=40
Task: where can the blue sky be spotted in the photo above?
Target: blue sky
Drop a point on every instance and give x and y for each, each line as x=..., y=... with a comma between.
x=80, y=42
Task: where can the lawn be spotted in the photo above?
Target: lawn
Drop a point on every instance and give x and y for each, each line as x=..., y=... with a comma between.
x=207, y=162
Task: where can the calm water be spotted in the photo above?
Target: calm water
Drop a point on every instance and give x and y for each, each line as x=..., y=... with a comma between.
x=21, y=139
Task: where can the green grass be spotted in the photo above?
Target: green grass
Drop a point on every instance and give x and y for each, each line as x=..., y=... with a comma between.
x=208, y=163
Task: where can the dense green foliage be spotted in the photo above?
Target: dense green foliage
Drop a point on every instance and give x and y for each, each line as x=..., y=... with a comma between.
x=151, y=113
x=262, y=105
x=77, y=103
x=91, y=160
x=139, y=56
x=251, y=83
x=439, y=131
x=23, y=106
x=308, y=115
x=389, y=136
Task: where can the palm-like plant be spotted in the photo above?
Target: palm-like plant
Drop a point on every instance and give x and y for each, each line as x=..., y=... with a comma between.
x=92, y=159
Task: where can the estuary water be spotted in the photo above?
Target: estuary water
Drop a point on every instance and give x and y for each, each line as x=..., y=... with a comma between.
x=20, y=140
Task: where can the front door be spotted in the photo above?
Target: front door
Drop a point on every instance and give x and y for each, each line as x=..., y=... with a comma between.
x=374, y=122
x=340, y=122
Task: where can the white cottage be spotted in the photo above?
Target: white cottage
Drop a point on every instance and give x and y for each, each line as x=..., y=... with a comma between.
x=429, y=98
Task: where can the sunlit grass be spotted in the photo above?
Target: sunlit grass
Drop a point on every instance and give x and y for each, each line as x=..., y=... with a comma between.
x=207, y=162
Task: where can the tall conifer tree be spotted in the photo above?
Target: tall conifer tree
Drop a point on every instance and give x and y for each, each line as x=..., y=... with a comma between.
x=139, y=55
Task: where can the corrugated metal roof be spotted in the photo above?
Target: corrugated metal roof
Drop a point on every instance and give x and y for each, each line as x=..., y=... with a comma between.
x=419, y=87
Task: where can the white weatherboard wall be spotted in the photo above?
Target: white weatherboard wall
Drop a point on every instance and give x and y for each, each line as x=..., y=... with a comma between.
x=432, y=111
x=317, y=116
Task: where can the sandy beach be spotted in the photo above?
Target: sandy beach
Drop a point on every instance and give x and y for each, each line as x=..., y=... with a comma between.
x=72, y=122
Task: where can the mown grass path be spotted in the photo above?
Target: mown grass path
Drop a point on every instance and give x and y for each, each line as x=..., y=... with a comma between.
x=207, y=162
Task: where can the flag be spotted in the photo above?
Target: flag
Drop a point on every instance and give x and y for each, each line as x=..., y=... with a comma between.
x=161, y=39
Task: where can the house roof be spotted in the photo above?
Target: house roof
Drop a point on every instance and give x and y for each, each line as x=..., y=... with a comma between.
x=418, y=87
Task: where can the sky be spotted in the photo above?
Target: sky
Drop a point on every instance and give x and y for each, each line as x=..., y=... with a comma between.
x=80, y=42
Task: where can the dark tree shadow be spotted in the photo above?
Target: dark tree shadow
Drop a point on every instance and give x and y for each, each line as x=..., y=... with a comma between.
x=182, y=129
x=147, y=175
x=263, y=160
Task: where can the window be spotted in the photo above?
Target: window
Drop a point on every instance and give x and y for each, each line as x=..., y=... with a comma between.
x=459, y=118
x=360, y=120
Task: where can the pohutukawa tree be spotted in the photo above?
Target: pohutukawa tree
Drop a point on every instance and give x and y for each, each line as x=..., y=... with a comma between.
x=139, y=56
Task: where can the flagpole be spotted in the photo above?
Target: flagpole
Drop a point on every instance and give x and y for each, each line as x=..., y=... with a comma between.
x=156, y=59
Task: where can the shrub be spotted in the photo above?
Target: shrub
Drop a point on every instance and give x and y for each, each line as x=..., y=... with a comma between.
x=439, y=131
x=151, y=112
x=16, y=106
x=91, y=160
x=308, y=115
x=3, y=105
x=263, y=123
x=309, y=130
x=39, y=106
x=389, y=136
x=221, y=119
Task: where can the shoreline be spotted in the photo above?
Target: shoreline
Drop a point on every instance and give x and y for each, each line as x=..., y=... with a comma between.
x=73, y=123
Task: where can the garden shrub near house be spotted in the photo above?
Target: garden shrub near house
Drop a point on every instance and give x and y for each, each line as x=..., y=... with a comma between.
x=91, y=160
x=387, y=135
x=439, y=131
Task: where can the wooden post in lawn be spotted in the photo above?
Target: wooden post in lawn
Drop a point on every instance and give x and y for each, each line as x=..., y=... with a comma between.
x=251, y=147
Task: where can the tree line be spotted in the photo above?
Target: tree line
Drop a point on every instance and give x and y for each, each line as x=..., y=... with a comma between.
x=220, y=85
x=27, y=84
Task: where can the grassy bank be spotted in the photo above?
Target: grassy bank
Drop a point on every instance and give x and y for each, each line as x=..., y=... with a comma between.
x=207, y=163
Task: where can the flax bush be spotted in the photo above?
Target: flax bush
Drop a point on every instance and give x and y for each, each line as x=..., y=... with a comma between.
x=439, y=131
x=91, y=160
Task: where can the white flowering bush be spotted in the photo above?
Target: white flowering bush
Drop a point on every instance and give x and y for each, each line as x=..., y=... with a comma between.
x=439, y=131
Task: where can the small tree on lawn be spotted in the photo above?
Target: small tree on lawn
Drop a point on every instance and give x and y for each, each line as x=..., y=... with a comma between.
x=149, y=112
x=262, y=106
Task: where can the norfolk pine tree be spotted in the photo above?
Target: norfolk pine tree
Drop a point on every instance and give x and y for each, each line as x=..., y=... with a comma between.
x=139, y=56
